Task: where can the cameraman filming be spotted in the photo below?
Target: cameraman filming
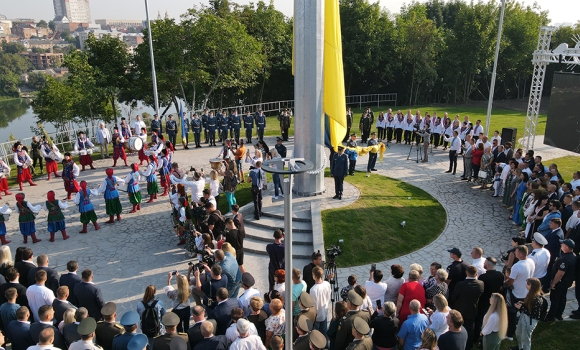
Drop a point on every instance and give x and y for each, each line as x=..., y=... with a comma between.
x=426, y=135
x=209, y=289
x=230, y=269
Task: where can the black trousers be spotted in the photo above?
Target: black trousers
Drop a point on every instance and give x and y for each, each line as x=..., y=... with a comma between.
x=347, y=134
x=338, y=185
x=381, y=133
x=557, y=300
x=468, y=324
x=453, y=161
x=408, y=135
x=39, y=160
x=372, y=161
x=436, y=139
x=512, y=319
x=211, y=134
x=224, y=134
x=257, y=198
x=237, y=135
x=184, y=315
x=248, y=135
x=389, y=134
x=351, y=165
x=172, y=137
x=261, y=134
x=398, y=134
x=197, y=137
x=285, y=134
x=365, y=134
x=206, y=135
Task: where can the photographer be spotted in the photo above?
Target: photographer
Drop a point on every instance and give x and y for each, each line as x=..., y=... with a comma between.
x=209, y=289
x=231, y=269
x=195, y=187
x=426, y=135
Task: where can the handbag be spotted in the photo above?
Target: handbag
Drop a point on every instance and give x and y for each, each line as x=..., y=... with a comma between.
x=482, y=174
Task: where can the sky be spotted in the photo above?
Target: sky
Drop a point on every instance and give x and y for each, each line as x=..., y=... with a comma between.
x=560, y=11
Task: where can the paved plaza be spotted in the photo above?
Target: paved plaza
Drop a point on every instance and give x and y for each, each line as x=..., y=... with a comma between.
x=141, y=248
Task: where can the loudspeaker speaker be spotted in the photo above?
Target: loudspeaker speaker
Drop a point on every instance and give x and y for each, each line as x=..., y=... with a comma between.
x=509, y=135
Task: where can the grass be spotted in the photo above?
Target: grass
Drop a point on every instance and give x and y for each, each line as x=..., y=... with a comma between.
x=370, y=227
x=552, y=336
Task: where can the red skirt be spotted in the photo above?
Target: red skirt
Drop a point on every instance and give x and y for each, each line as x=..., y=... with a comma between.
x=24, y=174
x=3, y=185
x=71, y=186
x=51, y=166
x=86, y=159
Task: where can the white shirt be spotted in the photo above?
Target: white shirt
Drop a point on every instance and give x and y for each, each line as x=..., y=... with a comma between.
x=521, y=271
x=477, y=129
x=478, y=263
x=376, y=291
x=438, y=322
x=103, y=187
x=320, y=293
x=455, y=143
x=491, y=326
x=573, y=220
x=194, y=187
x=496, y=138
x=137, y=125
x=43, y=347
x=62, y=205
x=541, y=258
x=38, y=295
x=575, y=183
x=251, y=342
x=232, y=333
x=214, y=186
x=244, y=299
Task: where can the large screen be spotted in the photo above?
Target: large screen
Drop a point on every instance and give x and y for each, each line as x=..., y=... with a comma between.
x=563, y=124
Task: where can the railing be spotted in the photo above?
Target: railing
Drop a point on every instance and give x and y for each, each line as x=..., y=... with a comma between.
x=361, y=100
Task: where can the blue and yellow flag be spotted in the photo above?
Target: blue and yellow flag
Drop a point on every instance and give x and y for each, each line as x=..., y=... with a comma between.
x=334, y=100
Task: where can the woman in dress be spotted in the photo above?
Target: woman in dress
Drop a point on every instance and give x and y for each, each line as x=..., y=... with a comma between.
x=537, y=216
x=158, y=307
x=530, y=310
x=508, y=184
x=229, y=188
x=275, y=324
x=438, y=319
x=519, y=194
x=214, y=186
x=495, y=323
x=409, y=291
x=477, y=154
x=487, y=166
x=394, y=283
x=180, y=299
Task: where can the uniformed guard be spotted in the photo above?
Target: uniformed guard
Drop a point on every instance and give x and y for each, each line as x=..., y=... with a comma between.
x=156, y=125
x=212, y=125
x=339, y=171
x=107, y=329
x=196, y=126
x=178, y=343
x=317, y=340
x=248, y=126
x=224, y=127
x=365, y=125
x=86, y=330
x=260, y=124
x=186, y=130
x=162, y=342
x=204, y=118
x=303, y=327
x=138, y=342
x=129, y=322
x=218, y=116
x=307, y=309
x=171, y=128
x=285, y=122
x=344, y=333
x=361, y=341
x=236, y=125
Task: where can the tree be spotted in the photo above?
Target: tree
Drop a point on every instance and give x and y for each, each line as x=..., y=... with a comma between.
x=15, y=63
x=13, y=47
x=53, y=104
x=42, y=24
x=8, y=82
x=36, y=81
x=52, y=25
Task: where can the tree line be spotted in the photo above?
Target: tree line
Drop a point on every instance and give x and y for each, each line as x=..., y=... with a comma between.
x=229, y=54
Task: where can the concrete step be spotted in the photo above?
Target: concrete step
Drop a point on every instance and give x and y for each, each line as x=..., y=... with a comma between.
x=259, y=248
x=266, y=235
x=273, y=223
x=277, y=212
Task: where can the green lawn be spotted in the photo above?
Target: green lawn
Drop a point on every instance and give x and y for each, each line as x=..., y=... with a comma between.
x=551, y=336
x=370, y=227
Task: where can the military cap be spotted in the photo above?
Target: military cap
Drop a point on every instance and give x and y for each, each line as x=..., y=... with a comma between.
x=540, y=239
x=170, y=319
x=178, y=343
x=137, y=342
x=279, y=139
x=108, y=309
x=248, y=279
x=130, y=318
x=87, y=326
x=304, y=323
x=361, y=326
x=340, y=147
x=373, y=133
x=318, y=339
x=354, y=298
x=353, y=134
x=306, y=300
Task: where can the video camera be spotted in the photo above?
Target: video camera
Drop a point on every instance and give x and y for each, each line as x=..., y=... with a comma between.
x=333, y=252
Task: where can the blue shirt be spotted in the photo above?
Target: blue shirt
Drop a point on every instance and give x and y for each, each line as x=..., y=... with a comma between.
x=231, y=269
x=544, y=227
x=412, y=329
x=256, y=176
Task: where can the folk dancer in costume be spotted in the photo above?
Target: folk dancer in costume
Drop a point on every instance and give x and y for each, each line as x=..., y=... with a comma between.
x=22, y=161
x=4, y=171
x=157, y=145
x=142, y=156
x=26, y=215
x=133, y=189
x=83, y=144
x=5, y=210
x=112, y=201
x=125, y=131
x=55, y=217
x=70, y=172
x=86, y=208
x=163, y=168
x=46, y=150
x=118, y=147
x=151, y=176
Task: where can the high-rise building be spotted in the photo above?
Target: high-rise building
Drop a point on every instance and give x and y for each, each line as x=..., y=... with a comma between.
x=72, y=13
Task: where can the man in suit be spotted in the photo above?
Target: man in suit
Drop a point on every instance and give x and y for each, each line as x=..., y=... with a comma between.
x=194, y=332
x=170, y=320
x=51, y=274
x=465, y=298
x=129, y=322
x=492, y=283
x=211, y=342
x=69, y=331
x=46, y=314
x=24, y=266
x=222, y=312
x=12, y=277
x=38, y=295
x=89, y=295
x=61, y=304
x=108, y=328
x=70, y=279
x=344, y=334
x=339, y=170
x=18, y=331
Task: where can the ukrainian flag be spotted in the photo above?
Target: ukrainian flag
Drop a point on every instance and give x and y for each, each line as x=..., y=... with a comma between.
x=334, y=101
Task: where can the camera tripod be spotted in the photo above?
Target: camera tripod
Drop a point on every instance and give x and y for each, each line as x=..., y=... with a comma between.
x=419, y=153
x=331, y=275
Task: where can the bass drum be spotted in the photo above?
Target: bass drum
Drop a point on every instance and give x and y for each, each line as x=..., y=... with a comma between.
x=135, y=144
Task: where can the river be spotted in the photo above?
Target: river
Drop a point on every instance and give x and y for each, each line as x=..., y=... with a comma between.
x=17, y=116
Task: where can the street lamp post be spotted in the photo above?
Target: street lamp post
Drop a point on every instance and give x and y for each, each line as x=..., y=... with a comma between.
x=294, y=166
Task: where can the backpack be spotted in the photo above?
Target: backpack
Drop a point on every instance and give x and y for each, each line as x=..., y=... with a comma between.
x=150, y=320
x=543, y=309
x=220, y=224
x=234, y=182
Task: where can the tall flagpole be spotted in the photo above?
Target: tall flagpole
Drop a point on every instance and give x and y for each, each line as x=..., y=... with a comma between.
x=493, y=74
x=153, y=75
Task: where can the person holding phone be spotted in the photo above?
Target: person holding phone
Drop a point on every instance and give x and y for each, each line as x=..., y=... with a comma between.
x=375, y=288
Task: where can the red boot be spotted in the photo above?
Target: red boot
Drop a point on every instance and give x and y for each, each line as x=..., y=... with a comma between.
x=139, y=206
x=165, y=190
x=125, y=160
x=4, y=240
x=134, y=209
x=114, y=163
x=25, y=239
x=34, y=239
x=20, y=184
x=84, y=230
x=111, y=219
x=51, y=237
x=92, y=167
x=64, y=235
x=97, y=227
x=182, y=242
x=7, y=192
x=155, y=196
x=31, y=183
x=150, y=198
x=68, y=196
x=118, y=217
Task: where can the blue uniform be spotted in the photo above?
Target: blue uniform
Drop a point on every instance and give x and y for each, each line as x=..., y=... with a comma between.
x=248, y=125
x=196, y=126
x=339, y=170
x=235, y=126
x=224, y=127
x=261, y=125
x=171, y=129
x=212, y=126
x=204, y=118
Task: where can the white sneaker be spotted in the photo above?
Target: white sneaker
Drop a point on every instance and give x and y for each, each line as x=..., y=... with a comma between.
x=282, y=195
x=274, y=197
